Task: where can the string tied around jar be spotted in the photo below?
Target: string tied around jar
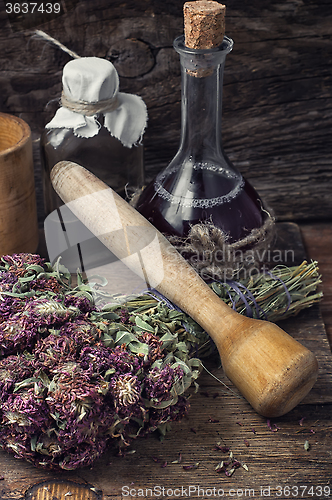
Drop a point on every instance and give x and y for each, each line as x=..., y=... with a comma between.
x=90, y=108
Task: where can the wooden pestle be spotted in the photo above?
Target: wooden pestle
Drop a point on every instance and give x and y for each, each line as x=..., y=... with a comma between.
x=272, y=370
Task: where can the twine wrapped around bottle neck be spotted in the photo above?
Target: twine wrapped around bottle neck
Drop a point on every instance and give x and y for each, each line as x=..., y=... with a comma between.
x=90, y=108
x=212, y=256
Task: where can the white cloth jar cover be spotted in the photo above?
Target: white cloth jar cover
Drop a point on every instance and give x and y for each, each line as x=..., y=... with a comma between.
x=91, y=86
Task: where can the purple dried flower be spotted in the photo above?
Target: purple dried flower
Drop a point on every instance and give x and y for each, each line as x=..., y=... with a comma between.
x=124, y=316
x=97, y=358
x=82, y=331
x=171, y=413
x=27, y=410
x=123, y=361
x=79, y=301
x=155, y=347
x=8, y=305
x=94, y=425
x=16, y=441
x=48, y=311
x=54, y=350
x=47, y=453
x=46, y=284
x=77, y=404
x=83, y=455
x=7, y=280
x=64, y=344
x=16, y=335
x=13, y=369
x=160, y=381
x=18, y=263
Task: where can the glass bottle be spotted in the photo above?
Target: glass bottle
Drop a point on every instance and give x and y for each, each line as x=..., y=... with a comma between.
x=120, y=167
x=201, y=184
x=97, y=127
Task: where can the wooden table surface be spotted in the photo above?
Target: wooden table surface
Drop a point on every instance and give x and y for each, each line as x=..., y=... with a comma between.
x=274, y=458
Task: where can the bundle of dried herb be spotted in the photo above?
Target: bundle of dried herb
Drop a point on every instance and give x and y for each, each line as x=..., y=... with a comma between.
x=80, y=372
x=75, y=379
x=273, y=295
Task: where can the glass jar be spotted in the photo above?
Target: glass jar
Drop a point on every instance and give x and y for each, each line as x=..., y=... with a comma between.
x=97, y=127
x=120, y=167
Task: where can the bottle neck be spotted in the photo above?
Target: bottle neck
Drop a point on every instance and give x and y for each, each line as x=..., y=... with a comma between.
x=202, y=85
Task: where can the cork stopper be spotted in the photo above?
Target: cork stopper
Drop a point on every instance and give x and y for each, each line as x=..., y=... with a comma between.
x=204, y=24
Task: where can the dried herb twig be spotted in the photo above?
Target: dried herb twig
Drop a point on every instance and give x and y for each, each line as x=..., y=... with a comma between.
x=273, y=295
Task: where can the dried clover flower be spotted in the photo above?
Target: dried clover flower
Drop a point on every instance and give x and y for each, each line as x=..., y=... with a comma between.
x=160, y=382
x=84, y=454
x=96, y=358
x=16, y=335
x=75, y=378
x=80, y=302
x=16, y=441
x=159, y=418
x=155, y=347
x=17, y=264
x=65, y=344
x=125, y=389
x=77, y=405
x=48, y=311
x=26, y=409
x=46, y=284
x=55, y=349
x=82, y=331
x=8, y=304
x=124, y=316
x=123, y=361
x=14, y=369
x=7, y=280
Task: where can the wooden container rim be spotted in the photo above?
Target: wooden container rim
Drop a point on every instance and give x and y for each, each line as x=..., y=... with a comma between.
x=26, y=133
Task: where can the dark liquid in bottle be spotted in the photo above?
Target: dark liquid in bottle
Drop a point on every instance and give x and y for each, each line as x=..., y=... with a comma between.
x=119, y=167
x=226, y=200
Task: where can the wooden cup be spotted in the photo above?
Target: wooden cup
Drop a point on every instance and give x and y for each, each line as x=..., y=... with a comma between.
x=18, y=208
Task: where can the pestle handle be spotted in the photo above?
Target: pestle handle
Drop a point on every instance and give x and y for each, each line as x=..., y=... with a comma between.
x=272, y=370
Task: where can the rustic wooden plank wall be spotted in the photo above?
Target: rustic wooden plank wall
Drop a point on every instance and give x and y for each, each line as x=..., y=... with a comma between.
x=277, y=105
